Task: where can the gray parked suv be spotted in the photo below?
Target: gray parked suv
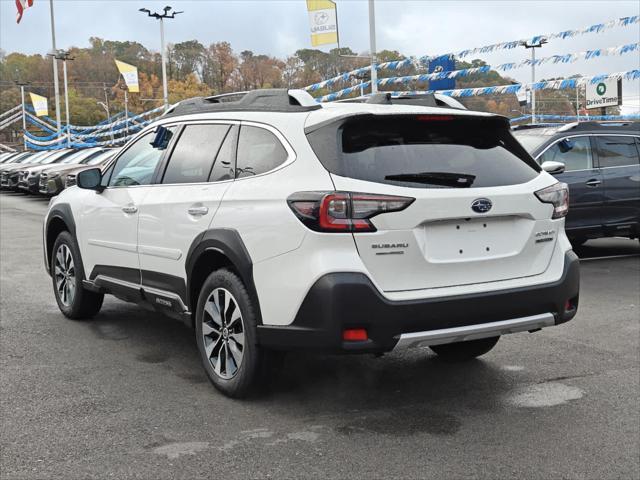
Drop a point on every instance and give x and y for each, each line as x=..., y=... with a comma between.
x=601, y=164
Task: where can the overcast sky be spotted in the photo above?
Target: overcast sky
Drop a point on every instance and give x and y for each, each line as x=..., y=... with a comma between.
x=280, y=27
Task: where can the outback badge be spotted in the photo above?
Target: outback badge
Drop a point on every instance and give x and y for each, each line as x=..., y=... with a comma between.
x=481, y=205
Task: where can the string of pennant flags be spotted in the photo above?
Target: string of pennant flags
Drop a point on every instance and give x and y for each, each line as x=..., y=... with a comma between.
x=420, y=62
x=505, y=67
x=566, y=83
x=515, y=88
x=116, y=128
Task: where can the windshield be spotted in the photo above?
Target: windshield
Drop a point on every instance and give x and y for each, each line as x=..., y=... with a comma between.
x=52, y=158
x=424, y=151
x=103, y=157
x=59, y=155
x=76, y=157
x=530, y=142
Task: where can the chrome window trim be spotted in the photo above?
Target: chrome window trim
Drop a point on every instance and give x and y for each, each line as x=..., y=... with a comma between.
x=589, y=135
x=291, y=153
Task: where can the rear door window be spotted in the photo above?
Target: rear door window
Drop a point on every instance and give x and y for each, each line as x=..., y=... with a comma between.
x=192, y=158
x=259, y=151
x=424, y=151
x=617, y=151
x=574, y=152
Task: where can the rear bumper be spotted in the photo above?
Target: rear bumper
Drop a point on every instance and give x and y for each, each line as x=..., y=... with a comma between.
x=340, y=301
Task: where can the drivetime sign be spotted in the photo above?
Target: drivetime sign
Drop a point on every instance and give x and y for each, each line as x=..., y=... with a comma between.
x=605, y=93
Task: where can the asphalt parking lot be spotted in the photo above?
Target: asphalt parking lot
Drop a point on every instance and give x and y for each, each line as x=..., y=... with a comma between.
x=124, y=396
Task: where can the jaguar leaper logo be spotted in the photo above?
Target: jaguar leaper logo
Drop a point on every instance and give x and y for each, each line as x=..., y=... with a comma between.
x=601, y=89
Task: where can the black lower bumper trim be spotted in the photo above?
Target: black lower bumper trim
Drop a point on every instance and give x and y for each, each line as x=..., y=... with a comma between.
x=339, y=301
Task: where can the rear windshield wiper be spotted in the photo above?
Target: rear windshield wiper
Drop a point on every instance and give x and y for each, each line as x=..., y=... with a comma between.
x=445, y=179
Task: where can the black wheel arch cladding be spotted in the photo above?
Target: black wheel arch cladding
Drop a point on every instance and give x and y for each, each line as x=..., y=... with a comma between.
x=228, y=243
x=59, y=212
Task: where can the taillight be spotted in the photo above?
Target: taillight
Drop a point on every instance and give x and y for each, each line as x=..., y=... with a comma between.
x=343, y=211
x=557, y=195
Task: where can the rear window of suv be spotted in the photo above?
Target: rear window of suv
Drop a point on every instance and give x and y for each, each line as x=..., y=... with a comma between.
x=424, y=151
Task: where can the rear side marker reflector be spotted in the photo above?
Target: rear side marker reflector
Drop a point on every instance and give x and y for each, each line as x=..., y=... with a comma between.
x=343, y=211
x=355, y=335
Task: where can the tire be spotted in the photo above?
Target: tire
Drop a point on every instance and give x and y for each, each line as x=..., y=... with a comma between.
x=235, y=364
x=464, y=351
x=67, y=274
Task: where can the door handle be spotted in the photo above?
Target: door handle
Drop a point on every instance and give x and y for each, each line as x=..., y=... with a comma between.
x=593, y=183
x=197, y=211
x=130, y=209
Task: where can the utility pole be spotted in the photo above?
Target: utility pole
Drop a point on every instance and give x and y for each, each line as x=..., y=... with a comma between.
x=107, y=108
x=533, y=46
x=64, y=56
x=161, y=17
x=55, y=68
x=24, y=113
x=372, y=45
x=125, y=89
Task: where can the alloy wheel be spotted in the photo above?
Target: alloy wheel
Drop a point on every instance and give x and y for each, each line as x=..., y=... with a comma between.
x=223, y=333
x=65, y=275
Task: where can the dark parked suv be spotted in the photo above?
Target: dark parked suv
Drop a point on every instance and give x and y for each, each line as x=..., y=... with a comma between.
x=601, y=164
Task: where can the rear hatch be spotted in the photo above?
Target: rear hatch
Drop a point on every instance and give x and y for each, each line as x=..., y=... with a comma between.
x=472, y=221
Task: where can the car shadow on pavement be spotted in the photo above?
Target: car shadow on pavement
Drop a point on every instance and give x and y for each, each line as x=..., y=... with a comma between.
x=347, y=391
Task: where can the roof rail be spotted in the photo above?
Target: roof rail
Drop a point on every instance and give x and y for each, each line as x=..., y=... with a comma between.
x=599, y=125
x=417, y=99
x=266, y=100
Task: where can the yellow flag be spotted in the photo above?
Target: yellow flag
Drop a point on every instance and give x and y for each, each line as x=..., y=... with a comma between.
x=323, y=20
x=130, y=75
x=39, y=104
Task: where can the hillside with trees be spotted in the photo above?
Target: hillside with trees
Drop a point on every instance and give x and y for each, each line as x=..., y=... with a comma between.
x=194, y=69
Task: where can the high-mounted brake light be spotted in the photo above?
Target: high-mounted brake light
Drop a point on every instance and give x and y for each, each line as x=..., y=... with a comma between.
x=343, y=211
x=557, y=195
x=434, y=118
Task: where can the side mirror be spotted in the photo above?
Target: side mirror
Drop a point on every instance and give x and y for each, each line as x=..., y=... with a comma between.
x=553, y=168
x=90, y=179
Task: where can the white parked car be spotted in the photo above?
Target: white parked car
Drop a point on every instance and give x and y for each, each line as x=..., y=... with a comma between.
x=276, y=223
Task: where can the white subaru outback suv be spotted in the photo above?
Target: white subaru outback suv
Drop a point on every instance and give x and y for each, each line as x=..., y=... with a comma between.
x=275, y=223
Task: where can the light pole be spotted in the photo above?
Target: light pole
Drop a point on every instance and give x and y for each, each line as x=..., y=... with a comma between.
x=64, y=56
x=161, y=17
x=372, y=45
x=533, y=45
x=55, y=67
x=24, y=114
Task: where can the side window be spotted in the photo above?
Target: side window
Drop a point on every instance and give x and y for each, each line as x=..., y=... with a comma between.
x=192, y=158
x=224, y=166
x=138, y=163
x=574, y=152
x=259, y=151
x=617, y=151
